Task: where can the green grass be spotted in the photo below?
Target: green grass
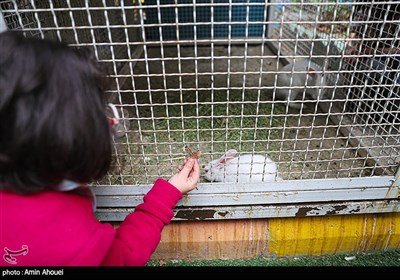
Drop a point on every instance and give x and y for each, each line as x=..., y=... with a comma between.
x=379, y=258
x=217, y=116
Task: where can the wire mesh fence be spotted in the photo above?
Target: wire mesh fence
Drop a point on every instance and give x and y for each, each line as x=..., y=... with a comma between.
x=311, y=85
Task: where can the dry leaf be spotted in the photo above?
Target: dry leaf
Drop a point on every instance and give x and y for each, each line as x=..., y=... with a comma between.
x=195, y=155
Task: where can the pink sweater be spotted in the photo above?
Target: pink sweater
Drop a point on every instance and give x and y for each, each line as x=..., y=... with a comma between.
x=59, y=229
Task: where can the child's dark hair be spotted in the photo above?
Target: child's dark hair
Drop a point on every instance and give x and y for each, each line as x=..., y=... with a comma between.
x=53, y=125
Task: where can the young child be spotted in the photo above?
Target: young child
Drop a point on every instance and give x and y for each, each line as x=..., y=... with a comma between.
x=55, y=137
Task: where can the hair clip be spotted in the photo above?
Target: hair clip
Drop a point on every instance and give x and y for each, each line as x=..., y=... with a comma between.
x=112, y=114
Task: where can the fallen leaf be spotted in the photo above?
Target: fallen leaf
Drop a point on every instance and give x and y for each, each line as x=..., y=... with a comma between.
x=195, y=155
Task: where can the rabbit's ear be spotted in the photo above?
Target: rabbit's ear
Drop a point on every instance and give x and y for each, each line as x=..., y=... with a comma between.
x=226, y=158
x=230, y=153
x=312, y=72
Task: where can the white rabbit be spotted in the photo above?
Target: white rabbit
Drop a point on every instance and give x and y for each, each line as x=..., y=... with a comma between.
x=243, y=169
x=289, y=80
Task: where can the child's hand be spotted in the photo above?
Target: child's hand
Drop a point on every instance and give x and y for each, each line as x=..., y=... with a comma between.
x=189, y=174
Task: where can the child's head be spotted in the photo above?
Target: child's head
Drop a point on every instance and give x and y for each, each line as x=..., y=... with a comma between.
x=52, y=115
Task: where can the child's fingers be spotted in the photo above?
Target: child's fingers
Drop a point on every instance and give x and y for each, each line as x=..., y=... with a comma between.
x=180, y=166
x=195, y=170
x=187, y=168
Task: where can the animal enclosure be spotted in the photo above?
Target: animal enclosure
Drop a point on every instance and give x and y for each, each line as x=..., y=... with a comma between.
x=312, y=85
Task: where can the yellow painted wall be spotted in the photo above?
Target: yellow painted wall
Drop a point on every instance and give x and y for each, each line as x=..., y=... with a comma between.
x=232, y=239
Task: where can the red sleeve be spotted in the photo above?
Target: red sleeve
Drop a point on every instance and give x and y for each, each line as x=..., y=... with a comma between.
x=139, y=234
